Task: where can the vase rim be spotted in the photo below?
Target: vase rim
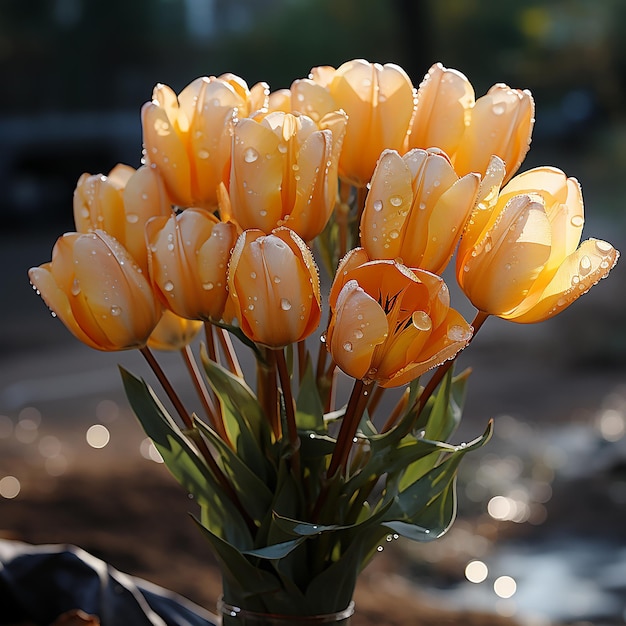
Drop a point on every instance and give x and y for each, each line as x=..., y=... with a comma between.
x=224, y=608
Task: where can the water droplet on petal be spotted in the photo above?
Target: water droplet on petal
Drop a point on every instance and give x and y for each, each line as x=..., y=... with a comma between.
x=132, y=218
x=498, y=108
x=116, y=311
x=378, y=205
x=207, y=286
x=285, y=305
x=585, y=264
x=458, y=333
x=75, y=287
x=347, y=346
x=168, y=286
x=395, y=201
x=603, y=246
x=203, y=154
x=250, y=155
x=577, y=221
x=358, y=334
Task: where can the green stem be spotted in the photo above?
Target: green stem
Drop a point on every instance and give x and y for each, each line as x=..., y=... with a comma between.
x=267, y=390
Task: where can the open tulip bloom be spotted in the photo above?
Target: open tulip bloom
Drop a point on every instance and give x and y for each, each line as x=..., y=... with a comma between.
x=298, y=479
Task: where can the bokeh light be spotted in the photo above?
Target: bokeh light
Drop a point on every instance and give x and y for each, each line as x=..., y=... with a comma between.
x=98, y=436
x=9, y=487
x=505, y=586
x=476, y=571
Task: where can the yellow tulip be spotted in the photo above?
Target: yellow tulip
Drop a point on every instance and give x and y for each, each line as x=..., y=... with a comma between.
x=389, y=323
x=188, y=138
x=379, y=101
x=471, y=131
x=274, y=287
x=444, y=98
x=416, y=209
x=121, y=204
x=96, y=289
x=524, y=262
x=173, y=332
x=284, y=172
x=188, y=262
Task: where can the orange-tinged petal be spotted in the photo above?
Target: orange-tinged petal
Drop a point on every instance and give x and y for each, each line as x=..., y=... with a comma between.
x=312, y=99
x=500, y=123
x=256, y=176
x=166, y=151
x=580, y=271
x=443, y=99
x=173, y=332
x=358, y=327
x=500, y=269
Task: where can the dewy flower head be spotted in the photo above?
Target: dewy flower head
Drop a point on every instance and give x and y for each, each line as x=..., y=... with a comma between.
x=389, y=323
x=284, y=171
x=173, y=332
x=188, y=138
x=188, y=261
x=121, y=204
x=471, y=131
x=379, y=101
x=274, y=287
x=416, y=209
x=95, y=287
x=520, y=259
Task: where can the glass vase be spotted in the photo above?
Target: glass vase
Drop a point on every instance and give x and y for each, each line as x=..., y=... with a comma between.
x=235, y=616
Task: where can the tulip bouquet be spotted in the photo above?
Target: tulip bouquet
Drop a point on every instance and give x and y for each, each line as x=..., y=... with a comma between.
x=239, y=192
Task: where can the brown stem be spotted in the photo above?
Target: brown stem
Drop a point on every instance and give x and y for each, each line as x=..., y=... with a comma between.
x=212, y=411
x=348, y=429
x=267, y=391
x=302, y=353
x=167, y=386
x=292, y=431
x=229, y=352
x=210, y=341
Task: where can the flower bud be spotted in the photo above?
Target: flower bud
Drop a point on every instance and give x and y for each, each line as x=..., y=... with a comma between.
x=96, y=289
x=379, y=102
x=121, y=204
x=416, y=209
x=471, y=131
x=173, y=332
x=389, y=323
x=525, y=262
x=188, y=262
x=274, y=287
x=284, y=171
x=188, y=138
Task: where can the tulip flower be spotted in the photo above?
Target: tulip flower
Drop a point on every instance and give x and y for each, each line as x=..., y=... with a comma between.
x=95, y=287
x=121, y=204
x=173, y=332
x=188, y=138
x=379, y=101
x=525, y=263
x=274, y=287
x=416, y=209
x=389, y=323
x=284, y=172
x=188, y=262
x=471, y=131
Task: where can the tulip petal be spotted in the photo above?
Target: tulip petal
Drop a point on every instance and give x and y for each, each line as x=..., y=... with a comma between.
x=443, y=98
x=592, y=261
x=357, y=327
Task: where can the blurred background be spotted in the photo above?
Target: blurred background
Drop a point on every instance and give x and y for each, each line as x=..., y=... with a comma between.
x=541, y=535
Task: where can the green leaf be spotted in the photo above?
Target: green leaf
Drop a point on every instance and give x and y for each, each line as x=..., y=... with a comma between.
x=309, y=409
x=243, y=417
x=182, y=460
x=276, y=551
x=253, y=493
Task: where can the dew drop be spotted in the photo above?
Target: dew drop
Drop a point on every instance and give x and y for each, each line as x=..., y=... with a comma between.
x=116, y=311
x=498, y=108
x=276, y=279
x=262, y=212
x=577, y=221
x=585, y=264
x=358, y=334
x=603, y=246
x=75, y=287
x=394, y=234
x=395, y=201
x=347, y=346
x=252, y=274
x=285, y=305
x=250, y=155
x=168, y=286
x=144, y=196
x=207, y=286
x=251, y=307
x=203, y=154
x=458, y=333
x=132, y=218
x=422, y=206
